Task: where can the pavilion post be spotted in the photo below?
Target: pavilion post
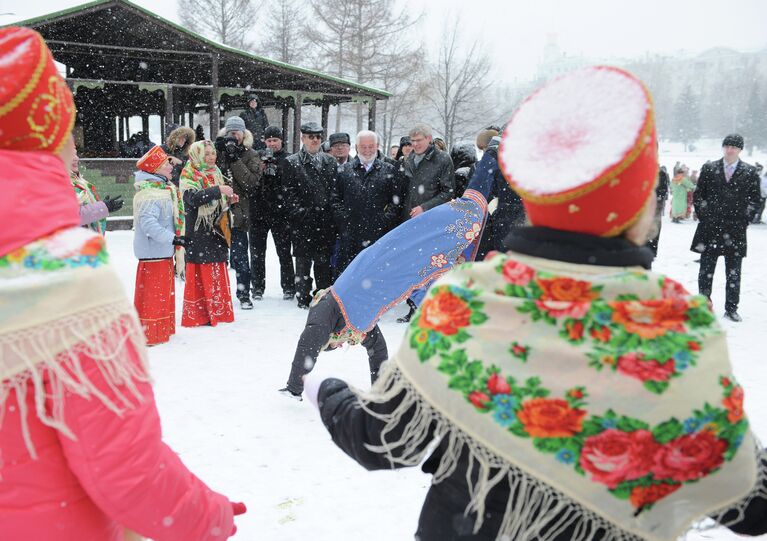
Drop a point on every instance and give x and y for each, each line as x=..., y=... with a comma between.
x=299, y=99
x=285, y=132
x=372, y=114
x=325, y=111
x=169, y=116
x=215, y=121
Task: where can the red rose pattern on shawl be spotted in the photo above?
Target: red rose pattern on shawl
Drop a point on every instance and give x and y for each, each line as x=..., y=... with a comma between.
x=634, y=461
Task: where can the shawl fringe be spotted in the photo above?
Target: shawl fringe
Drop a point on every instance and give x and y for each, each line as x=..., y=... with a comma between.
x=536, y=510
x=110, y=347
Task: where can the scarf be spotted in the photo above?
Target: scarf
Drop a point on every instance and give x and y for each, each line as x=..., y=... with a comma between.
x=87, y=195
x=603, y=395
x=42, y=182
x=153, y=188
x=197, y=175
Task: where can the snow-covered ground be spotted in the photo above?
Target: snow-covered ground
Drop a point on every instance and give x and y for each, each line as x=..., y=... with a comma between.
x=216, y=390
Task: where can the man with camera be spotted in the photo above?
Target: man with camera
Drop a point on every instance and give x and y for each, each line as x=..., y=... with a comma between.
x=241, y=167
x=309, y=177
x=269, y=212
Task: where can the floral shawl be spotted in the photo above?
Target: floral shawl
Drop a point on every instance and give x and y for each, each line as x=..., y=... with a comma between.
x=603, y=396
x=61, y=302
x=86, y=194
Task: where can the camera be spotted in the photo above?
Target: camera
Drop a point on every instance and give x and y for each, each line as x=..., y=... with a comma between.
x=270, y=162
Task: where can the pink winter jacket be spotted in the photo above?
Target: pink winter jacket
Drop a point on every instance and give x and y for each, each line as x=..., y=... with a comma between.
x=118, y=474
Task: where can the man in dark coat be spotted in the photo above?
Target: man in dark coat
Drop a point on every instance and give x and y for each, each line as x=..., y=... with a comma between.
x=365, y=199
x=464, y=157
x=309, y=177
x=241, y=166
x=429, y=174
x=269, y=212
x=724, y=200
x=255, y=121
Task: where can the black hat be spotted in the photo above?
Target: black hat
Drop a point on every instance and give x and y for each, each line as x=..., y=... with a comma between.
x=733, y=140
x=337, y=138
x=273, y=131
x=311, y=127
x=252, y=97
x=405, y=141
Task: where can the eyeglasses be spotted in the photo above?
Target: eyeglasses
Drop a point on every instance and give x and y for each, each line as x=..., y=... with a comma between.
x=313, y=136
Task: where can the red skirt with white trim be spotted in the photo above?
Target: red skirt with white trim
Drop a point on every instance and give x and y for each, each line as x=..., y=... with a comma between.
x=155, y=299
x=207, y=295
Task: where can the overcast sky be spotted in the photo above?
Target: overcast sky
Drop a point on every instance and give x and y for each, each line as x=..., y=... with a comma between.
x=515, y=31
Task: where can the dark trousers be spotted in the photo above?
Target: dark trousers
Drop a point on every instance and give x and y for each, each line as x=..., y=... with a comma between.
x=323, y=275
x=324, y=319
x=240, y=262
x=759, y=211
x=732, y=264
x=259, y=229
x=652, y=243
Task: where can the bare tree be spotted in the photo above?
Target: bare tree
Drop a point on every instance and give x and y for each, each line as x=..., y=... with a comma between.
x=360, y=39
x=461, y=79
x=284, y=35
x=226, y=21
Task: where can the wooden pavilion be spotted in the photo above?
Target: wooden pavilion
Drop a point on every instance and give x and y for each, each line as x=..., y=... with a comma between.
x=124, y=61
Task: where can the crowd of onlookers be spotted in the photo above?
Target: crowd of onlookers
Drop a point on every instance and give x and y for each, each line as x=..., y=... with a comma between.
x=323, y=204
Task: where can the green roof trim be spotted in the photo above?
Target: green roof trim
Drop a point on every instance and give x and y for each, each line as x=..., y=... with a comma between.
x=209, y=42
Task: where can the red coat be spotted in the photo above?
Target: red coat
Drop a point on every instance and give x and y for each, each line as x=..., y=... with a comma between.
x=118, y=473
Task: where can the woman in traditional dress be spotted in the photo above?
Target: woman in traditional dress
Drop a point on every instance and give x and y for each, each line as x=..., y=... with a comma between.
x=81, y=450
x=562, y=391
x=158, y=220
x=681, y=186
x=207, y=295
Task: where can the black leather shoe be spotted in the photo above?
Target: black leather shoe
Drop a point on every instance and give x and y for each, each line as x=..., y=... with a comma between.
x=290, y=394
x=733, y=316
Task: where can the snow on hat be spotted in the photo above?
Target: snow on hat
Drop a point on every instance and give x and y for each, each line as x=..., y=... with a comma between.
x=152, y=160
x=234, y=123
x=733, y=140
x=37, y=111
x=273, y=131
x=581, y=152
x=404, y=141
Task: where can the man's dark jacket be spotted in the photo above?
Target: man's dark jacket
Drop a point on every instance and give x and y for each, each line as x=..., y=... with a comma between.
x=366, y=205
x=308, y=185
x=430, y=183
x=244, y=175
x=271, y=203
x=724, y=208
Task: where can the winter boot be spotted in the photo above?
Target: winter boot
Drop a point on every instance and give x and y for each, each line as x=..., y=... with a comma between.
x=246, y=304
x=258, y=295
x=407, y=317
x=290, y=394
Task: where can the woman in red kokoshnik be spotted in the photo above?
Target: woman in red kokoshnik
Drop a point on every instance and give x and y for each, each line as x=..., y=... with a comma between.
x=81, y=452
x=575, y=395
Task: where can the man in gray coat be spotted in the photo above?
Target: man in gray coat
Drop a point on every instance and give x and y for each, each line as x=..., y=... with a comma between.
x=429, y=179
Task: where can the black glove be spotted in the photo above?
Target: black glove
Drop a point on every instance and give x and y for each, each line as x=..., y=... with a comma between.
x=113, y=205
x=220, y=144
x=179, y=241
